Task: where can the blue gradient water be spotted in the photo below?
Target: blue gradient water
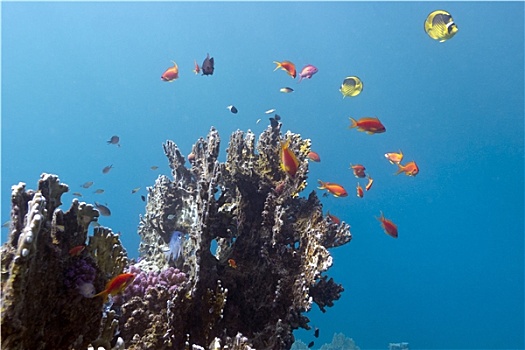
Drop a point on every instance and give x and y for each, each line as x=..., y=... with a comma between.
x=74, y=74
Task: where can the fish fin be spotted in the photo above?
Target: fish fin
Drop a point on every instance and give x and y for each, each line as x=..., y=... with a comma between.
x=278, y=65
x=400, y=169
x=104, y=294
x=321, y=185
x=354, y=123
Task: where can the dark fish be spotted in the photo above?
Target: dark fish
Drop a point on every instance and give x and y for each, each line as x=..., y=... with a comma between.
x=78, y=194
x=104, y=211
x=135, y=190
x=114, y=140
x=87, y=184
x=232, y=109
x=107, y=169
x=277, y=117
x=154, y=167
x=99, y=191
x=316, y=332
x=143, y=198
x=311, y=344
x=208, y=65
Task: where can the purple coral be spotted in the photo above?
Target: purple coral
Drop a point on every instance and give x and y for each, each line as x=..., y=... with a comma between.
x=169, y=279
x=79, y=276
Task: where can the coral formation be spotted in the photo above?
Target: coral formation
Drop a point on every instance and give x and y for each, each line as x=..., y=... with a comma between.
x=251, y=264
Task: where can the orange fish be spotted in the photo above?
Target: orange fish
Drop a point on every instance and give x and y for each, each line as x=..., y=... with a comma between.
x=359, y=170
x=197, y=68
x=314, y=157
x=333, y=188
x=232, y=263
x=116, y=285
x=77, y=250
x=171, y=73
x=289, y=162
x=369, y=125
x=287, y=66
x=360, y=192
x=369, y=184
x=333, y=218
x=394, y=157
x=387, y=225
x=410, y=169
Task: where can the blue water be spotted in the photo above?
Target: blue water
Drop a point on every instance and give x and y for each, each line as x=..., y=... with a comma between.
x=74, y=74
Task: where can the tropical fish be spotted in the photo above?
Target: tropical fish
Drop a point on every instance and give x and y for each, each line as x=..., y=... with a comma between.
x=388, y=226
x=359, y=170
x=307, y=72
x=316, y=332
x=410, y=169
x=174, y=249
x=313, y=156
x=171, y=73
x=232, y=263
x=289, y=162
x=107, y=169
x=154, y=167
x=394, y=157
x=440, y=26
x=135, y=190
x=335, y=189
x=369, y=184
x=197, y=68
x=78, y=194
x=270, y=111
x=333, y=218
x=258, y=120
x=208, y=65
x=232, y=109
x=99, y=191
x=116, y=285
x=286, y=90
x=287, y=66
x=114, y=140
x=87, y=184
x=360, y=192
x=104, y=211
x=77, y=250
x=143, y=198
x=311, y=344
x=370, y=125
x=351, y=86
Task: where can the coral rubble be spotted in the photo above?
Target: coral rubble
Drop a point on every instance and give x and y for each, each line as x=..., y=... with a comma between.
x=252, y=262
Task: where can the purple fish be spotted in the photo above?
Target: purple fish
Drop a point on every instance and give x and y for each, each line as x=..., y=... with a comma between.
x=307, y=72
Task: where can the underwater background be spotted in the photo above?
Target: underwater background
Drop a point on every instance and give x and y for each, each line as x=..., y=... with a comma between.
x=75, y=74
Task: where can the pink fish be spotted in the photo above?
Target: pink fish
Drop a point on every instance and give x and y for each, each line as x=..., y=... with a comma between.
x=307, y=72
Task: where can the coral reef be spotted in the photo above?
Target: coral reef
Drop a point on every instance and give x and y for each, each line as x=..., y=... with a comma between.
x=251, y=263
x=44, y=304
x=248, y=210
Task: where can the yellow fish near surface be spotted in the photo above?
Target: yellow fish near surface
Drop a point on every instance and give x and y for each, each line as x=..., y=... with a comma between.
x=440, y=26
x=351, y=86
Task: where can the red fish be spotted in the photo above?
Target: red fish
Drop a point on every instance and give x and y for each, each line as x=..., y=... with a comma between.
x=394, y=157
x=289, y=162
x=359, y=170
x=335, y=189
x=307, y=72
x=77, y=250
x=333, y=218
x=197, y=68
x=287, y=66
x=369, y=184
x=369, y=125
x=410, y=169
x=314, y=157
x=116, y=285
x=360, y=192
x=387, y=225
x=171, y=73
x=232, y=263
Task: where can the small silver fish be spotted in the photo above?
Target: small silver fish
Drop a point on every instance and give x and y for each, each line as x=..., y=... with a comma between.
x=99, y=191
x=286, y=90
x=107, y=169
x=104, y=211
x=135, y=190
x=270, y=111
x=154, y=167
x=87, y=184
x=78, y=194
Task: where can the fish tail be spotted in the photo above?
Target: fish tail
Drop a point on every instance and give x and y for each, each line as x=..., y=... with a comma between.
x=278, y=65
x=104, y=294
x=400, y=169
x=321, y=185
x=354, y=123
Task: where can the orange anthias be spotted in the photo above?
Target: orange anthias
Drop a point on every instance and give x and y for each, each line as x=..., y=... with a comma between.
x=116, y=285
x=289, y=162
x=394, y=157
x=171, y=73
x=359, y=170
x=370, y=125
x=369, y=184
x=335, y=189
x=287, y=66
x=314, y=157
x=410, y=169
x=387, y=225
x=360, y=192
x=197, y=68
